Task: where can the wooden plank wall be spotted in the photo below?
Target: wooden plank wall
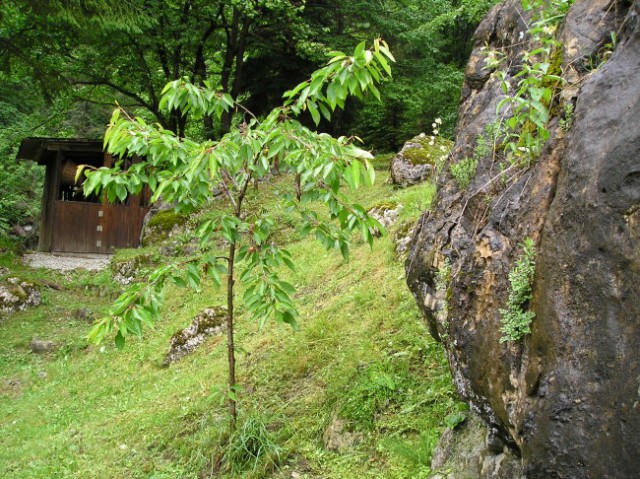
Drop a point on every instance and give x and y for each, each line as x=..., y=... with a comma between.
x=95, y=228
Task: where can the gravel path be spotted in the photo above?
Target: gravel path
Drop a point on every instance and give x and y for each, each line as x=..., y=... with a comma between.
x=67, y=262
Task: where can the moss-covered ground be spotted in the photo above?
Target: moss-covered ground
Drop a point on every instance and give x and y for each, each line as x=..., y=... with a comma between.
x=362, y=353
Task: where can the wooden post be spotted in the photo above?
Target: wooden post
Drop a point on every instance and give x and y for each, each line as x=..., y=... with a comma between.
x=49, y=196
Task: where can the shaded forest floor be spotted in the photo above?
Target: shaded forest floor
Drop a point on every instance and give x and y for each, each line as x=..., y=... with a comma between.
x=361, y=358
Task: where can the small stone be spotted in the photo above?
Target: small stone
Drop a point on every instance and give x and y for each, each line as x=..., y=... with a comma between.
x=84, y=314
x=41, y=346
x=338, y=438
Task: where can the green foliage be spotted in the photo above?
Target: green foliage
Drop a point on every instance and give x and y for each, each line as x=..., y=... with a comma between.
x=416, y=453
x=524, y=113
x=516, y=318
x=454, y=419
x=374, y=388
x=168, y=422
x=567, y=120
x=432, y=41
x=251, y=450
x=464, y=171
x=184, y=171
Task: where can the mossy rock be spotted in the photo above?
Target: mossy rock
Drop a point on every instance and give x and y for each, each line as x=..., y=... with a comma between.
x=384, y=205
x=419, y=159
x=166, y=220
x=160, y=226
x=126, y=270
x=17, y=295
x=420, y=151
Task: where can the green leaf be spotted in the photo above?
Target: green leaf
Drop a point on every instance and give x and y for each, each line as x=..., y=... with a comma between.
x=119, y=340
x=313, y=109
x=355, y=173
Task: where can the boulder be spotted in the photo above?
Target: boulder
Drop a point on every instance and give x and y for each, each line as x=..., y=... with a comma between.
x=418, y=159
x=565, y=398
x=18, y=295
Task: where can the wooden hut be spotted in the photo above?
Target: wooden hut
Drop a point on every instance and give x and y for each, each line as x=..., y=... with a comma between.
x=72, y=222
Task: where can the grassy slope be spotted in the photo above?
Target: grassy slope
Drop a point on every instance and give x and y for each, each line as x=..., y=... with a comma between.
x=361, y=352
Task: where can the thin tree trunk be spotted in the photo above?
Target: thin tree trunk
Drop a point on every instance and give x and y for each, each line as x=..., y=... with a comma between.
x=230, y=342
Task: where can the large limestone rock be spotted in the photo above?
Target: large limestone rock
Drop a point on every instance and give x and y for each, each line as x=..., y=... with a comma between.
x=566, y=399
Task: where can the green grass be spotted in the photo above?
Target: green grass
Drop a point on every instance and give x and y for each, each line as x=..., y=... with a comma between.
x=362, y=352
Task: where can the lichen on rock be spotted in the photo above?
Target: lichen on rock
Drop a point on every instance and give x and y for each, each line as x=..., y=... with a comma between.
x=418, y=159
x=208, y=322
x=18, y=295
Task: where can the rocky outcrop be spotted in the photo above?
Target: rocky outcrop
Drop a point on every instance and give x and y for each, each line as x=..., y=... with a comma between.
x=566, y=398
x=473, y=450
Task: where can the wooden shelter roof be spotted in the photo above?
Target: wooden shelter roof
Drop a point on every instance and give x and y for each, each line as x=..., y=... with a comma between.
x=43, y=150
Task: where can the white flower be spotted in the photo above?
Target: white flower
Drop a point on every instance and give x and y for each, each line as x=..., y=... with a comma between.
x=431, y=143
x=435, y=132
x=439, y=121
x=443, y=148
x=434, y=125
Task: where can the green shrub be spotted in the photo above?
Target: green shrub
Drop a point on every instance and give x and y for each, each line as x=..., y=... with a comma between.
x=516, y=319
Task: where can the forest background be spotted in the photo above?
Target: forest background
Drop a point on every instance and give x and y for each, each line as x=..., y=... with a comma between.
x=64, y=64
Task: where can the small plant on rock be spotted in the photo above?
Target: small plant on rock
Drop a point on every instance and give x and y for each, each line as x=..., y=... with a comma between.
x=516, y=317
x=464, y=171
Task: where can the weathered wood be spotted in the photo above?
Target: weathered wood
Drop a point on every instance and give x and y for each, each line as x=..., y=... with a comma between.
x=52, y=183
x=95, y=228
x=71, y=225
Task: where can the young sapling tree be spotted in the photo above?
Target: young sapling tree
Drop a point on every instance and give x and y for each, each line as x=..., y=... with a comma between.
x=183, y=172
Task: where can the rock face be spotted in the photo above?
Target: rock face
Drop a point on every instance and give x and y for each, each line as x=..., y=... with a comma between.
x=566, y=398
